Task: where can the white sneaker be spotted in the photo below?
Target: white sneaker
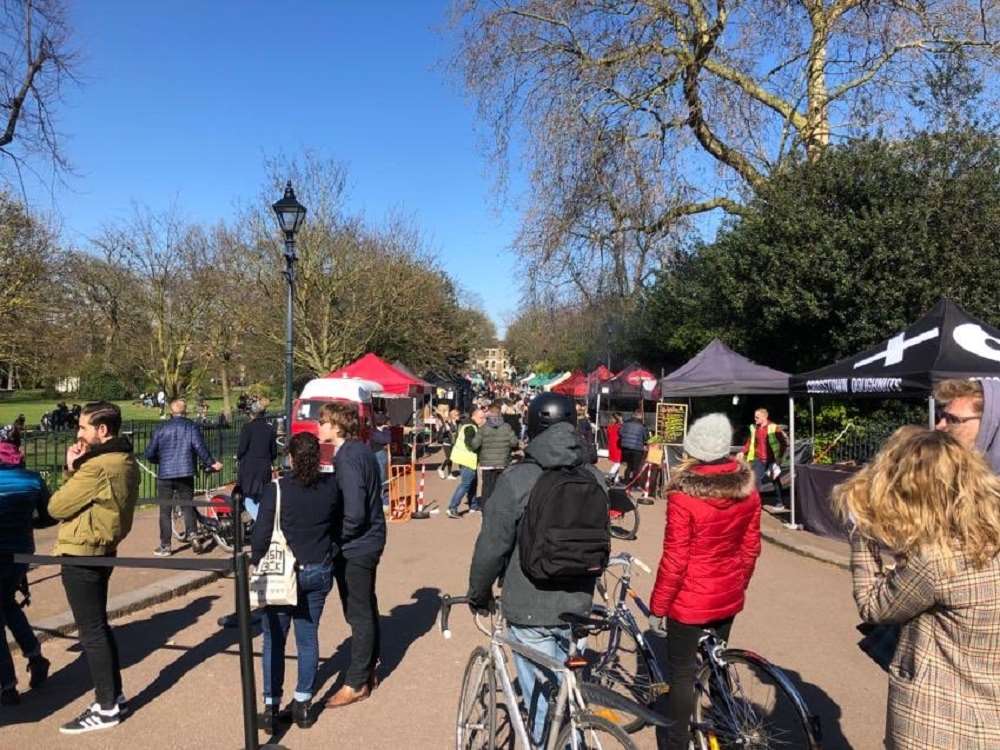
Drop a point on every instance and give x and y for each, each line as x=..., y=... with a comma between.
x=93, y=719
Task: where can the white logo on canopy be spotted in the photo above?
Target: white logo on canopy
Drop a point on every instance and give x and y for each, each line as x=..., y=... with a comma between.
x=972, y=338
x=896, y=347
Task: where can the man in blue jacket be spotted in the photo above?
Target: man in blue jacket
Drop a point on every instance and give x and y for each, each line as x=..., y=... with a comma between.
x=176, y=447
x=362, y=539
x=24, y=502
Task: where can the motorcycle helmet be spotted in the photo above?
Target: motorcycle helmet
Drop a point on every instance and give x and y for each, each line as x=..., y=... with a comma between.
x=547, y=409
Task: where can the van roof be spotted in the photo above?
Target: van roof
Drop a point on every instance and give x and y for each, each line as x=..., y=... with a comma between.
x=347, y=389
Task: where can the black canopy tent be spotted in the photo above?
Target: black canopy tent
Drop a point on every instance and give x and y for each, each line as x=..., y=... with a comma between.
x=450, y=387
x=719, y=371
x=945, y=343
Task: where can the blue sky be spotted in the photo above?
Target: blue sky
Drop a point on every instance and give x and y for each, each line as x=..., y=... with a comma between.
x=180, y=102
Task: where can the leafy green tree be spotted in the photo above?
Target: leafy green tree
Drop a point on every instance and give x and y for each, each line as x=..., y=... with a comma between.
x=834, y=255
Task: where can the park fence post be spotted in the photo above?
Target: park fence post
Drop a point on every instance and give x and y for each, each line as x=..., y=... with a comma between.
x=242, y=576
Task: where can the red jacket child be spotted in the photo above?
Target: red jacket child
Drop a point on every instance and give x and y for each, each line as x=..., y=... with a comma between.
x=614, y=444
x=710, y=545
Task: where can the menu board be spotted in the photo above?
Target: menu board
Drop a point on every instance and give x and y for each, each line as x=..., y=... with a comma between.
x=671, y=422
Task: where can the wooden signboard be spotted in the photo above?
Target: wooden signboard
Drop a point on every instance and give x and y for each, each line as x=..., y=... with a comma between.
x=671, y=422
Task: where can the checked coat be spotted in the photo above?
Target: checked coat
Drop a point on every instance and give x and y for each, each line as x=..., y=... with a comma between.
x=944, y=679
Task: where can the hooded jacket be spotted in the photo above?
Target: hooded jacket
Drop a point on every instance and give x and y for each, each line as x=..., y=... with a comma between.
x=632, y=435
x=97, y=503
x=493, y=442
x=23, y=501
x=710, y=545
x=988, y=437
x=496, y=553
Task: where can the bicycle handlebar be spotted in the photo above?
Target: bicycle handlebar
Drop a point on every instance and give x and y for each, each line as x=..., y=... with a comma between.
x=446, y=604
x=624, y=558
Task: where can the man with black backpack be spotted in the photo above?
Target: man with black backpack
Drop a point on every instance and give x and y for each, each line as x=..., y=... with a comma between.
x=545, y=533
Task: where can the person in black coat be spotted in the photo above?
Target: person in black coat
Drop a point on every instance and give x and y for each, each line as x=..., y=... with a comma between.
x=255, y=454
x=362, y=539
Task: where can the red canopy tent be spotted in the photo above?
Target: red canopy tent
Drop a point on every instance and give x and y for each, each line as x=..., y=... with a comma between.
x=601, y=373
x=575, y=385
x=394, y=382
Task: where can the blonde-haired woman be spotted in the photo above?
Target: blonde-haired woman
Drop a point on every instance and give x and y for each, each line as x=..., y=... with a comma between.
x=924, y=554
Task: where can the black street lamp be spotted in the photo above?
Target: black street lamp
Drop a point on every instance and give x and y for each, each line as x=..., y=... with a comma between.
x=290, y=215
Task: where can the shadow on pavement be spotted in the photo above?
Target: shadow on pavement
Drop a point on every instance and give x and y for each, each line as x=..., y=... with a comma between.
x=400, y=628
x=136, y=641
x=823, y=706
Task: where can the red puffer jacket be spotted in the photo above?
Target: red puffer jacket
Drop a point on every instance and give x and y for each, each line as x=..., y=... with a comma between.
x=710, y=545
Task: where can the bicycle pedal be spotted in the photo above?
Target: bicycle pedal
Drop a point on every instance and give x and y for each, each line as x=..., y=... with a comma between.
x=659, y=688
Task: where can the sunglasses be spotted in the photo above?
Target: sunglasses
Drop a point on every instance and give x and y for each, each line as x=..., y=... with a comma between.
x=952, y=419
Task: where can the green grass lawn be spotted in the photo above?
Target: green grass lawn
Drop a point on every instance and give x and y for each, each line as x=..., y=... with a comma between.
x=35, y=408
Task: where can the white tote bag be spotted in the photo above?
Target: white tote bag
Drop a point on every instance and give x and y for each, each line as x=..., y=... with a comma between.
x=273, y=582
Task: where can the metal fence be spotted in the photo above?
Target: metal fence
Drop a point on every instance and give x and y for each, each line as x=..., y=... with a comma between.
x=859, y=444
x=45, y=452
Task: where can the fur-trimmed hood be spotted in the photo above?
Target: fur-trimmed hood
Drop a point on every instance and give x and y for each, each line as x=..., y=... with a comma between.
x=730, y=480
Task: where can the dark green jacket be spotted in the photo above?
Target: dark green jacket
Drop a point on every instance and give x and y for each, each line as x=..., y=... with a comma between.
x=494, y=442
x=496, y=551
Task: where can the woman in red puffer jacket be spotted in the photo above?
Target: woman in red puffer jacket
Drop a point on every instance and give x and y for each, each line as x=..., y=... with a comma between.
x=710, y=547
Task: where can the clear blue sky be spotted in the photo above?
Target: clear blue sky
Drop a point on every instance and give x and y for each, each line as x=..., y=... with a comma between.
x=180, y=101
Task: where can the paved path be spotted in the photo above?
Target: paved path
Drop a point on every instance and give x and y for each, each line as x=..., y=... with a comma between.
x=182, y=670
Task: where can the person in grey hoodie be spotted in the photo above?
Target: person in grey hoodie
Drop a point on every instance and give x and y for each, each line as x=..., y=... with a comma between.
x=494, y=442
x=533, y=613
x=969, y=411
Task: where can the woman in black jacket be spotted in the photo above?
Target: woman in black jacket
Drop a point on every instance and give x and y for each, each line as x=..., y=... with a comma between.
x=310, y=506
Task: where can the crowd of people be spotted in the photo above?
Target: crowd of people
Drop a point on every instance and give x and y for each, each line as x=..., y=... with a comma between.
x=925, y=546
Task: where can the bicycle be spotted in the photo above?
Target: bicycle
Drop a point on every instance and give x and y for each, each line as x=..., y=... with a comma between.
x=571, y=723
x=623, y=514
x=742, y=700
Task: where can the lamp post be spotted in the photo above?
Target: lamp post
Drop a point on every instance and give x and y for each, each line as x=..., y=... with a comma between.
x=290, y=215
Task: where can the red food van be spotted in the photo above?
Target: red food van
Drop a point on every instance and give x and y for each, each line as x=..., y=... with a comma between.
x=305, y=410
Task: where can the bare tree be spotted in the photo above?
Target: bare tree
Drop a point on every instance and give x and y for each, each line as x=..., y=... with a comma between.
x=35, y=63
x=639, y=115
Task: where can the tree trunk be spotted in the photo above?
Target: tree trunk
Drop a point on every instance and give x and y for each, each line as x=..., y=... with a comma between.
x=224, y=377
x=817, y=135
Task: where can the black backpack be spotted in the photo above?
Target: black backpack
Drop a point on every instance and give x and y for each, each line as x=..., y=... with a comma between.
x=564, y=533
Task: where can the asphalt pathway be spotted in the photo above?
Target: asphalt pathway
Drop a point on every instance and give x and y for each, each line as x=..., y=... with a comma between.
x=181, y=670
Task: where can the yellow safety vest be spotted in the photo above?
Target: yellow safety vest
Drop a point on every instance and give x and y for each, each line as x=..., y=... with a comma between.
x=772, y=441
x=460, y=452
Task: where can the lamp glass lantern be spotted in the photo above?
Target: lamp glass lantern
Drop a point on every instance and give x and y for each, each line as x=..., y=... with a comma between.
x=290, y=212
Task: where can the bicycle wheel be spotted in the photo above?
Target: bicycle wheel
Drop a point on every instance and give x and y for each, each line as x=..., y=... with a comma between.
x=593, y=733
x=624, y=524
x=475, y=726
x=750, y=704
x=622, y=666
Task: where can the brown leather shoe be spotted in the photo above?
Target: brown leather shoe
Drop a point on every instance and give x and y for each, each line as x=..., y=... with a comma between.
x=348, y=695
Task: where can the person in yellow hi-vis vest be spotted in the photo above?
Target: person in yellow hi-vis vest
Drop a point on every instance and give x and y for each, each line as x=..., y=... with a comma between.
x=466, y=459
x=764, y=449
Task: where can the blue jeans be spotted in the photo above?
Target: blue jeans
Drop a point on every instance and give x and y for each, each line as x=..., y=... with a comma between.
x=466, y=488
x=315, y=582
x=382, y=459
x=536, y=693
x=760, y=472
x=12, y=618
x=252, y=506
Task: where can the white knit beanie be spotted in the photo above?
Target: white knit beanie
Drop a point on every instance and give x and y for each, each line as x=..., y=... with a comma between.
x=709, y=438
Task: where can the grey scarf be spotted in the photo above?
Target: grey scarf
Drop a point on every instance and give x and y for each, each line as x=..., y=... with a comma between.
x=988, y=439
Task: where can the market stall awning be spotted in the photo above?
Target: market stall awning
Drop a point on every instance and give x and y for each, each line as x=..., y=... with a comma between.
x=945, y=343
x=634, y=383
x=575, y=386
x=719, y=371
x=559, y=378
x=394, y=382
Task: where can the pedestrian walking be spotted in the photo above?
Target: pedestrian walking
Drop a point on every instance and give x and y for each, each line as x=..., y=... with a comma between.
x=764, y=449
x=710, y=548
x=176, y=447
x=586, y=430
x=380, y=442
x=614, y=447
x=95, y=506
x=24, y=500
x=493, y=443
x=924, y=555
x=310, y=507
x=463, y=456
x=449, y=428
x=632, y=436
x=255, y=454
x=362, y=539
x=534, y=607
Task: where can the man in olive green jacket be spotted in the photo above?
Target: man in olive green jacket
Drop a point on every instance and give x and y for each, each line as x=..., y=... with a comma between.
x=95, y=506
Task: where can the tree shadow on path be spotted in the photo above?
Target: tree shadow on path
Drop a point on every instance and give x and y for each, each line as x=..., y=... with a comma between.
x=136, y=641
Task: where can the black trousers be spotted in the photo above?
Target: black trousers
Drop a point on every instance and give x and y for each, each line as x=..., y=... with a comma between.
x=174, y=490
x=356, y=585
x=682, y=650
x=633, y=462
x=490, y=477
x=87, y=592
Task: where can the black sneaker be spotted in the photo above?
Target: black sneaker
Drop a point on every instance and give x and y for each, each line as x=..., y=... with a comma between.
x=91, y=720
x=38, y=668
x=9, y=697
x=302, y=714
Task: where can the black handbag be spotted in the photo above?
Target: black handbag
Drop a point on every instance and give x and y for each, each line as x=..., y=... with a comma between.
x=879, y=642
